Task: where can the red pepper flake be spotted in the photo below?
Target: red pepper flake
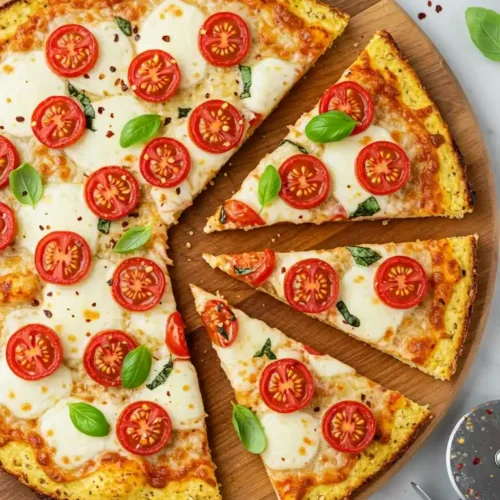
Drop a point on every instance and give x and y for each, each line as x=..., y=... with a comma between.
x=489, y=411
x=476, y=461
x=422, y=16
x=165, y=38
x=79, y=219
x=86, y=76
x=112, y=69
x=100, y=110
x=116, y=38
x=20, y=119
x=460, y=466
x=137, y=38
x=429, y=3
x=109, y=134
x=439, y=8
x=124, y=86
x=35, y=302
x=47, y=313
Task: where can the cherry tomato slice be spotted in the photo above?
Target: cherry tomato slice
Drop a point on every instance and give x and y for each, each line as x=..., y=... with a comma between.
x=216, y=126
x=71, y=50
x=352, y=99
x=286, y=385
x=312, y=351
x=63, y=258
x=401, y=282
x=305, y=181
x=34, y=352
x=175, y=337
x=7, y=226
x=104, y=355
x=138, y=284
x=143, y=428
x=311, y=286
x=58, y=122
x=220, y=322
x=242, y=215
x=224, y=39
x=382, y=168
x=154, y=75
x=9, y=160
x=112, y=192
x=349, y=427
x=165, y=162
x=253, y=267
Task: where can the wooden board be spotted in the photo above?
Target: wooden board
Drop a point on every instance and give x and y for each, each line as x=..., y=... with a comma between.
x=242, y=475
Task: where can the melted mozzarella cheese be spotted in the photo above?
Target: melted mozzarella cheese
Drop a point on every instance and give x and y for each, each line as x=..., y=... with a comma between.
x=62, y=208
x=173, y=27
x=287, y=353
x=326, y=366
x=25, y=81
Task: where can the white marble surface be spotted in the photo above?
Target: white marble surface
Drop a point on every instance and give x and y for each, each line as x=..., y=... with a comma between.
x=480, y=79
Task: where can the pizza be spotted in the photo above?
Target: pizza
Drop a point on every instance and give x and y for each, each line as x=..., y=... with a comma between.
x=374, y=147
x=322, y=430
x=410, y=300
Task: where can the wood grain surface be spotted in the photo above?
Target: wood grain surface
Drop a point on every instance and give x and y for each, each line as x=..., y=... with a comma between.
x=242, y=475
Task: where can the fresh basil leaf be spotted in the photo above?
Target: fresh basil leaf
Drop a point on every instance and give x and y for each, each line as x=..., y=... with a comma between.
x=223, y=332
x=139, y=129
x=269, y=186
x=364, y=256
x=26, y=184
x=104, y=226
x=242, y=271
x=124, y=25
x=133, y=239
x=265, y=351
x=162, y=377
x=332, y=126
x=246, y=76
x=88, y=109
x=136, y=367
x=484, y=29
x=249, y=429
x=349, y=318
x=369, y=207
x=183, y=112
x=222, y=216
x=88, y=419
x=302, y=149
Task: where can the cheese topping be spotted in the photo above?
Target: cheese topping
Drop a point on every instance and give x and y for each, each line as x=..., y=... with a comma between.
x=326, y=366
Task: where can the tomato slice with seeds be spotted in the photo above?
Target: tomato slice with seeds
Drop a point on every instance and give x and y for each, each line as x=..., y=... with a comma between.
x=58, y=122
x=352, y=99
x=112, y=192
x=286, y=385
x=154, y=75
x=175, y=337
x=216, y=126
x=311, y=286
x=401, y=282
x=71, y=50
x=143, y=428
x=138, y=284
x=220, y=322
x=241, y=214
x=382, y=168
x=224, y=39
x=349, y=427
x=305, y=181
x=104, y=355
x=7, y=226
x=34, y=352
x=9, y=160
x=165, y=162
x=253, y=267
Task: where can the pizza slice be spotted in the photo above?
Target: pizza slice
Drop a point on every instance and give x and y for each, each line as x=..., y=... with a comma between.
x=322, y=430
x=410, y=300
x=374, y=147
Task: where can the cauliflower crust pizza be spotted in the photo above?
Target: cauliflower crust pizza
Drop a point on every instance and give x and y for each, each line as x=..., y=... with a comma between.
x=322, y=430
x=410, y=300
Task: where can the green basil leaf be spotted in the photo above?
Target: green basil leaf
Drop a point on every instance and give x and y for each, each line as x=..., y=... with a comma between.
x=349, y=318
x=88, y=419
x=249, y=429
x=136, y=367
x=162, y=377
x=242, y=271
x=139, y=129
x=298, y=146
x=332, y=126
x=183, y=112
x=246, y=76
x=104, y=226
x=222, y=215
x=223, y=332
x=124, y=25
x=265, y=351
x=269, y=186
x=484, y=29
x=88, y=109
x=133, y=239
x=26, y=184
x=369, y=207
x=364, y=256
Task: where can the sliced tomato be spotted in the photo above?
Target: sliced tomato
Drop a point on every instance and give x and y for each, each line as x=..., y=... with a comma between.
x=7, y=226
x=256, y=120
x=305, y=181
x=154, y=75
x=58, y=122
x=71, y=50
x=34, y=352
x=253, y=267
x=138, y=284
x=382, y=167
x=242, y=215
x=112, y=192
x=401, y=282
x=220, y=322
x=175, y=337
x=143, y=428
x=216, y=126
x=312, y=351
x=9, y=160
x=349, y=427
x=286, y=385
x=224, y=39
x=352, y=99
x=165, y=162
x=62, y=257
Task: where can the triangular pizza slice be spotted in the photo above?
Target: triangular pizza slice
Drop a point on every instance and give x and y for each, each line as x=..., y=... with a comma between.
x=410, y=300
x=322, y=429
x=374, y=147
